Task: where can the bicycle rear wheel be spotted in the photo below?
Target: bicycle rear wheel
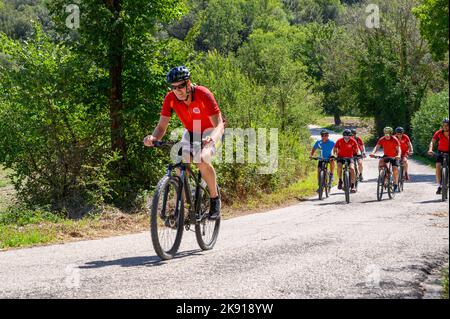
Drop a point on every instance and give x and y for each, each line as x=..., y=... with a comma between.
x=347, y=186
x=206, y=231
x=166, y=218
x=380, y=185
x=444, y=178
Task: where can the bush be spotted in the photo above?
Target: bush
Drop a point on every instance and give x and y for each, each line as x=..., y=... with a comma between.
x=428, y=119
x=248, y=104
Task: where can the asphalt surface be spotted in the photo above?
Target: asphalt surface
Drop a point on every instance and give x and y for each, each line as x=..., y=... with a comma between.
x=315, y=249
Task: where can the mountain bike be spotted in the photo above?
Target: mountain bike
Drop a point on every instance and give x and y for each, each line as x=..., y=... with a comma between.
x=346, y=177
x=401, y=176
x=444, y=174
x=385, y=180
x=174, y=194
x=324, y=177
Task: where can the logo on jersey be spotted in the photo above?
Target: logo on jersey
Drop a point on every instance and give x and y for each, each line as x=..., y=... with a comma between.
x=196, y=110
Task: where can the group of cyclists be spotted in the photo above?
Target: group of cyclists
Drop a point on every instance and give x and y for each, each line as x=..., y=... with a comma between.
x=204, y=126
x=196, y=103
x=396, y=145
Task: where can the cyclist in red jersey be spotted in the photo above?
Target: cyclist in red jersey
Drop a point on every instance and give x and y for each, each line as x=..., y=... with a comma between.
x=344, y=149
x=392, y=152
x=406, y=147
x=441, y=137
x=197, y=109
x=362, y=148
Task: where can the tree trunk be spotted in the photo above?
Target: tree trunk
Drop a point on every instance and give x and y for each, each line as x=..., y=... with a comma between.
x=118, y=142
x=337, y=119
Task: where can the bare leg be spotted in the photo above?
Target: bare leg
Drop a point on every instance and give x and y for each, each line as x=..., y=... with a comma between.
x=352, y=173
x=332, y=167
x=360, y=166
x=438, y=173
x=395, y=169
x=208, y=172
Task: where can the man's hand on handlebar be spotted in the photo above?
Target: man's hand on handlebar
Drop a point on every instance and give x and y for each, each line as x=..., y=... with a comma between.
x=149, y=141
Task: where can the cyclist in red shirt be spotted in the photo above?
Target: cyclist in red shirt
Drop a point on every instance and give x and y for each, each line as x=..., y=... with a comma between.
x=406, y=147
x=197, y=109
x=440, y=136
x=392, y=152
x=344, y=149
x=362, y=148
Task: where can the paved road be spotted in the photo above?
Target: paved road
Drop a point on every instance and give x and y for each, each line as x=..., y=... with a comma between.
x=313, y=249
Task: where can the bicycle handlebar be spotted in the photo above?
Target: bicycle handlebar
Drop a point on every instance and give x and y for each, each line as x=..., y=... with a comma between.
x=160, y=144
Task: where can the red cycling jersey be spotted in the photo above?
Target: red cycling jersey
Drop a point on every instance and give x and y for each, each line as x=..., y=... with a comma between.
x=196, y=115
x=360, y=144
x=443, y=141
x=404, y=144
x=346, y=149
x=389, y=146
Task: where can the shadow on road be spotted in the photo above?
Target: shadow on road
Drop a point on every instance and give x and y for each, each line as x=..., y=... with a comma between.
x=430, y=201
x=420, y=178
x=136, y=261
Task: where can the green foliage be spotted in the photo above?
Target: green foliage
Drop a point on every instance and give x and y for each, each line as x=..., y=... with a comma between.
x=445, y=284
x=433, y=17
x=250, y=102
x=21, y=216
x=50, y=124
x=11, y=237
x=306, y=11
x=393, y=70
x=75, y=104
x=17, y=17
x=428, y=119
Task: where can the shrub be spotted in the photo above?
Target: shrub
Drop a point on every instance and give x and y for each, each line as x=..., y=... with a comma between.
x=428, y=119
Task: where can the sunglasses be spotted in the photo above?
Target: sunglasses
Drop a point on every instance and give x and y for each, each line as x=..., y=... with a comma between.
x=178, y=87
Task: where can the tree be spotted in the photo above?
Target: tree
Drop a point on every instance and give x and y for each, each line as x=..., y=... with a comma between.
x=123, y=38
x=393, y=68
x=434, y=23
x=307, y=11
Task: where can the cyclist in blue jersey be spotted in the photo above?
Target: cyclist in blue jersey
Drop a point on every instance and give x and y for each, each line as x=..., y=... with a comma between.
x=325, y=147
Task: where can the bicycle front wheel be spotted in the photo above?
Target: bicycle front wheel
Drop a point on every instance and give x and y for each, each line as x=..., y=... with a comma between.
x=166, y=218
x=327, y=184
x=321, y=184
x=390, y=188
x=347, y=186
x=206, y=231
x=380, y=185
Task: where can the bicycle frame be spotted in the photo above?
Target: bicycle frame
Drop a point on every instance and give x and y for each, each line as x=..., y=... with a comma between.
x=185, y=172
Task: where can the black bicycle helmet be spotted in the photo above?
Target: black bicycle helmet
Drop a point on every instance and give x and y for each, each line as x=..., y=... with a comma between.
x=347, y=132
x=399, y=130
x=445, y=121
x=178, y=74
x=353, y=130
x=324, y=132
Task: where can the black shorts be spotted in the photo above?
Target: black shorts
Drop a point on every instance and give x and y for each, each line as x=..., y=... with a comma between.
x=349, y=160
x=440, y=157
x=394, y=161
x=321, y=163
